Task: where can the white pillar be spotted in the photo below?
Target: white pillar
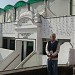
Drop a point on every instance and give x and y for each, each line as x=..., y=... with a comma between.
x=73, y=39
x=0, y=35
x=8, y=43
x=39, y=39
x=0, y=40
x=25, y=45
x=18, y=48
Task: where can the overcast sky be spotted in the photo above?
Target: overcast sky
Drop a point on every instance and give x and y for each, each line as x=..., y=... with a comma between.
x=3, y=3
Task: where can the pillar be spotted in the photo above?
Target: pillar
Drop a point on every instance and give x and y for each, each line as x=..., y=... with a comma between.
x=37, y=20
x=25, y=45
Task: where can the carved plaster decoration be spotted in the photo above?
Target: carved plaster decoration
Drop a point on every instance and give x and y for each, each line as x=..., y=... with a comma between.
x=25, y=35
x=24, y=20
x=37, y=18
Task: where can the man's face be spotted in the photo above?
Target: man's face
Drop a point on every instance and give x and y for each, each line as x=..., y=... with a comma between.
x=53, y=37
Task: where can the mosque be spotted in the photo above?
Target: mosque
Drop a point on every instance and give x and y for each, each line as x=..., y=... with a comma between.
x=26, y=27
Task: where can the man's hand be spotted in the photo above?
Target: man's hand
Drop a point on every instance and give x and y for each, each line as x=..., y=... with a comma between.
x=48, y=55
x=52, y=56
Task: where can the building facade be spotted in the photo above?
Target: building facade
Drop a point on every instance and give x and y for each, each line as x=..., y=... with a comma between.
x=26, y=27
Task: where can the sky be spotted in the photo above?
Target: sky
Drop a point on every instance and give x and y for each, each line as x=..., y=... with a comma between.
x=3, y=3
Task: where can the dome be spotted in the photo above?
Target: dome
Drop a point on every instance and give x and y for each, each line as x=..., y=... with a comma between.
x=1, y=10
x=20, y=4
x=7, y=7
x=34, y=1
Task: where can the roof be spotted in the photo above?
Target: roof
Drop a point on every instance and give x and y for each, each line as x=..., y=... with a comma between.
x=34, y=1
x=7, y=7
x=20, y=4
x=1, y=10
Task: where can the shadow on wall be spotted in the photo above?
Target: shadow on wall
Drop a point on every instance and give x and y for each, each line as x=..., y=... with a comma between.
x=1, y=57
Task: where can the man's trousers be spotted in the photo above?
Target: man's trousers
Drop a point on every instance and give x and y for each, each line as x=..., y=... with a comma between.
x=52, y=67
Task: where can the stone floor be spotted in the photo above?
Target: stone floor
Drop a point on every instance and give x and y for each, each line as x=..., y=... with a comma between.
x=43, y=71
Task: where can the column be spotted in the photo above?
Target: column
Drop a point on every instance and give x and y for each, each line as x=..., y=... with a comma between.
x=39, y=39
x=25, y=46
x=8, y=43
x=0, y=35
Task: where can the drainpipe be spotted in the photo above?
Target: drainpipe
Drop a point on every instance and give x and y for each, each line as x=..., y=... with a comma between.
x=71, y=7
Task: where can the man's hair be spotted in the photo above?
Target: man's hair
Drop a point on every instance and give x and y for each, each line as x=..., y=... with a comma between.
x=53, y=34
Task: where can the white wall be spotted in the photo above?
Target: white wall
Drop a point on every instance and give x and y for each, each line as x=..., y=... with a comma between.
x=35, y=60
x=38, y=7
x=62, y=26
x=11, y=61
x=4, y=53
x=8, y=29
x=21, y=11
x=10, y=15
x=73, y=7
x=64, y=54
x=16, y=62
x=72, y=57
x=60, y=7
x=2, y=17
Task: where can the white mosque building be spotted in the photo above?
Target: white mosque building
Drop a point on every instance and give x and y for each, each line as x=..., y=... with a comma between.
x=26, y=27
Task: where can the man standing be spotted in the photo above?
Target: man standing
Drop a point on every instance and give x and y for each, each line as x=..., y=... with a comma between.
x=52, y=50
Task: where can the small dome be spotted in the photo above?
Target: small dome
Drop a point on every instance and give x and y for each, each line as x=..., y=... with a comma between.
x=1, y=10
x=7, y=7
x=34, y=1
x=20, y=4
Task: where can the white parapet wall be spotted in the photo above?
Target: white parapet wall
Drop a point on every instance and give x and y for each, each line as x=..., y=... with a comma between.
x=64, y=54
x=33, y=61
x=4, y=53
x=10, y=61
x=72, y=57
